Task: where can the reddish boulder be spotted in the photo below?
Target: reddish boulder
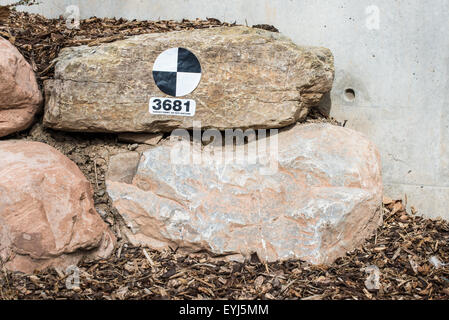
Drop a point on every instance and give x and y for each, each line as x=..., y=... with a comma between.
x=47, y=217
x=20, y=97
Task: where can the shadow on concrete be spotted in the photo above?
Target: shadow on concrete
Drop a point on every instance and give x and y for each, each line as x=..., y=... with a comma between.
x=325, y=105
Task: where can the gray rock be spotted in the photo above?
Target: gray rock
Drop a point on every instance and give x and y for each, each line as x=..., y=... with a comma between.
x=321, y=199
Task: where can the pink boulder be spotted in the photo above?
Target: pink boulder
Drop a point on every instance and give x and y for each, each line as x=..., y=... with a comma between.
x=47, y=217
x=20, y=97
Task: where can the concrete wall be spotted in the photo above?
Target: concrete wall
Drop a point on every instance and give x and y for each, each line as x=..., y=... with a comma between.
x=394, y=55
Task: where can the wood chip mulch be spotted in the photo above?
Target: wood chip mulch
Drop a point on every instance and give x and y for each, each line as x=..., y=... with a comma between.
x=410, y=253
x=40, y=39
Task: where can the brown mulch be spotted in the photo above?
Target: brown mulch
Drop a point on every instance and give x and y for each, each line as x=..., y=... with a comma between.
x=40, y=39
x=402, y=249
x=266, y=27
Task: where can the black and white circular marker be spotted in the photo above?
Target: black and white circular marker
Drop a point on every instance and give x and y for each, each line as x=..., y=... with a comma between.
x=177, y=72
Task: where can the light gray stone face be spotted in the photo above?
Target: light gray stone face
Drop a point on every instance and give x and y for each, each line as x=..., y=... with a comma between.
x=250, y=78
x=323, y=200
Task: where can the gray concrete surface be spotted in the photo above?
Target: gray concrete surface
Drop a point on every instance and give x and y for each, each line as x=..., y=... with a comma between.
x=394, y=55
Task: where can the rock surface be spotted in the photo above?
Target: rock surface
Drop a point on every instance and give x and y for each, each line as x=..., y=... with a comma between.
x=250, y=78
x=324, y=199
x=123, y=166
x=47, y=217
x=143, y=138
x=20, y=97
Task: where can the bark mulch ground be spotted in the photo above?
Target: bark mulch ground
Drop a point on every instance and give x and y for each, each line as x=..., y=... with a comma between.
x=409, y=252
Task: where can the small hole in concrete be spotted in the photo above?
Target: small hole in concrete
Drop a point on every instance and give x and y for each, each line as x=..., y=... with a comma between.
x=350, y=94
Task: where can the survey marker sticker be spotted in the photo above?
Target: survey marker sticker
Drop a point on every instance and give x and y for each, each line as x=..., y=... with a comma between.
x=177, y=72
x=173, y=106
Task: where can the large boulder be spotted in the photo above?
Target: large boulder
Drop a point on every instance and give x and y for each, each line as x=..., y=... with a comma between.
x=250, y=78
x=47, y=217
x=320, y=199
x=20, y=97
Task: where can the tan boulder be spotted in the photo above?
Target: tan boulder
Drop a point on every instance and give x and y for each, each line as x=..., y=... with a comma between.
x=47, y=217
x=20, y=97
x=250, y=78
x=318, y=197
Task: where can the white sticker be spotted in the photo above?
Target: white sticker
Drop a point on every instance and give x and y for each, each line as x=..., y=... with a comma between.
x=173, y=107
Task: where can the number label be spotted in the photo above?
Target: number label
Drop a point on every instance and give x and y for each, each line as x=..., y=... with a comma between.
x=173, y=107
